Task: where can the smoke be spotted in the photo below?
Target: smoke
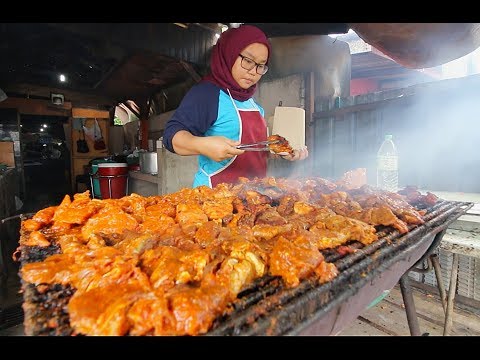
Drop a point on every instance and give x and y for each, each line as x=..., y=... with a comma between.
x=435, y=127
x=438, y=137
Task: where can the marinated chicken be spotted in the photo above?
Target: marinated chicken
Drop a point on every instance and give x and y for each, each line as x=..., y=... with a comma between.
x=280, y=145
x=172, y=264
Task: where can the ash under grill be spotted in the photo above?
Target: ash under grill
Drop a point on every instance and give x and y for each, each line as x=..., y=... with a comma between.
x=269, y=308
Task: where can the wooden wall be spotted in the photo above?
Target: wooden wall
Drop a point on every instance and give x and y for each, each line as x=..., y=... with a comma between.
x=81, y=160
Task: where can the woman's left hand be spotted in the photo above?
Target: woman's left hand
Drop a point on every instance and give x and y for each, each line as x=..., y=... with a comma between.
x=298, y=154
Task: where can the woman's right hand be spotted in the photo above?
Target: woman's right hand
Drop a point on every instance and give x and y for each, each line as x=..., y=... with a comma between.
x=219, y=148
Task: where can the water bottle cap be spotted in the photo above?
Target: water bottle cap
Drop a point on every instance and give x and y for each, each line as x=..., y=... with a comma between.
x=388, y=137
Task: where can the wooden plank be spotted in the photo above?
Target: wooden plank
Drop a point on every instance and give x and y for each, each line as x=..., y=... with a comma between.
x=7, y=158
x=7, y=155
x=402, y=100
x=90, y=113
x=37, y=107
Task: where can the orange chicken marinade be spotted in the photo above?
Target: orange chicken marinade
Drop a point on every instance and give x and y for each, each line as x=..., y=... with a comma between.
x=172, y=264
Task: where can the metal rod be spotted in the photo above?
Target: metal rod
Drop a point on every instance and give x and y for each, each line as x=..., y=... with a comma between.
x=91, y=184
x=451, y=296
x=438, y=275
x=424, y=269
x=262, y=144
x=254, y=149
x=410, y=310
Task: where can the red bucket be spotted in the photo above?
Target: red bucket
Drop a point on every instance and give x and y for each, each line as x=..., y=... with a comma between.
x=113, y=178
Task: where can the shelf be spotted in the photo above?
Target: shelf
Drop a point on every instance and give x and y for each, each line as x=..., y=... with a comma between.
x=137, y=175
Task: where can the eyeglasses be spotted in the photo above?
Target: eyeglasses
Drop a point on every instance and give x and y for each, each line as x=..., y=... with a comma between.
x=249, y=64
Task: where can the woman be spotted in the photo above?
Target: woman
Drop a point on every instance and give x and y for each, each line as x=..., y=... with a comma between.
x=220, y=113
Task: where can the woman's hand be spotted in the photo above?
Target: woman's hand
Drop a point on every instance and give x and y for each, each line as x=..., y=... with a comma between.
x=219, y=148
x=298, y=154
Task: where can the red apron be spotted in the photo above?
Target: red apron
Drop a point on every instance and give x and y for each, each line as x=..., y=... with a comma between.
x=251, y=163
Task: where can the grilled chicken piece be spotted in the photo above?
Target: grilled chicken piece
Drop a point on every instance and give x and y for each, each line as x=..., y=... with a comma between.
x=381, y=216
x=190, y=217
x=154, y=224
x=328, y=239
x=417, y=199
x=401, y=208
x=281, y=145
x=293, y=262
x=170, y=265
x=217, y=209
x=343, y=204
x=108, y=221
x=242, y=219
x=77, y=211
x=36, y=238
x=150, y=315
x=42, y=218
x=207, y=234
x=196, y=307
x=355, y=229
x=53, y=270
x=267, y=232
x=245, y=260
x=161, y=208
x=88, y=315
x=238, y=272
x=285, y=206
x=352, y=179
x=269, y=216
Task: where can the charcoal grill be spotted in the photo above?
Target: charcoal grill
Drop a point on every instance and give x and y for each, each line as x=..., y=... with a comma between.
x=269, y=308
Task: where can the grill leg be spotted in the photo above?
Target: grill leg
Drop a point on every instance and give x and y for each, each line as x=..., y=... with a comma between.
x=438, y=275
x=451, y=296
x=410, y=310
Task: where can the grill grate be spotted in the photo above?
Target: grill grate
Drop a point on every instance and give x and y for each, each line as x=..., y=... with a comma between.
x=269, y=308
x=11, y=316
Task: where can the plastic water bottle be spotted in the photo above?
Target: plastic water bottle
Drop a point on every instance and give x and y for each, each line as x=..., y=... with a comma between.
x=387, y=165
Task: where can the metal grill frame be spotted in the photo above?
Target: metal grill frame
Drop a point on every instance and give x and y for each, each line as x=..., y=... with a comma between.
x=313, y=309
x=269, y=308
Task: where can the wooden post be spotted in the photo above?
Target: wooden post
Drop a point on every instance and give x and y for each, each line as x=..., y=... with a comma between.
x=144, y=107
x=309, y=121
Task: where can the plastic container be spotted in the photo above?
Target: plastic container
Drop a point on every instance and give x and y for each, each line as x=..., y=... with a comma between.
x=387, y=165
x=95, y=182
x=148, y=162
x=113, y=179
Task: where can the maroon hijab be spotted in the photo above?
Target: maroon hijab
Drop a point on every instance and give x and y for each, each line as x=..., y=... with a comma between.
x=225, y=53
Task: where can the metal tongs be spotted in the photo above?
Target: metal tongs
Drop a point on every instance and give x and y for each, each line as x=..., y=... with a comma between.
x=258, y=146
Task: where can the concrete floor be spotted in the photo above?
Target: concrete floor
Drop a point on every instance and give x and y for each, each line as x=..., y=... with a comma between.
x=388, y=317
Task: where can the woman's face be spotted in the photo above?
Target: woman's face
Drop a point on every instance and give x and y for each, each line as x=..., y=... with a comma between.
x=254, y=52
